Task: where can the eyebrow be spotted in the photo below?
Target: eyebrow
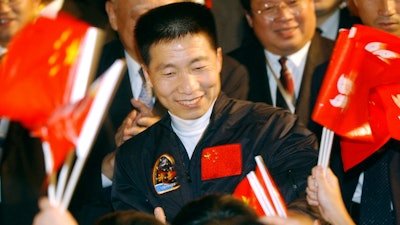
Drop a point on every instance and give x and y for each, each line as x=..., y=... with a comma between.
x=163, y=66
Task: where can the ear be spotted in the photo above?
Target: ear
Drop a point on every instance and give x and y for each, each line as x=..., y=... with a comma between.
x=112, y=17
x=219, y=59
x=249, y=19
x=146, y=74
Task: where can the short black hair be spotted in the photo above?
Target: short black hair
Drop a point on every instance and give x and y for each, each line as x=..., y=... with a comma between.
x=128, y=217
x=213, y=209
x=172, y=21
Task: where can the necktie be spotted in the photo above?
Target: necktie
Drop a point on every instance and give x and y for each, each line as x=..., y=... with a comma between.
x=376, y=194
x=287, y=82
x=146, y=92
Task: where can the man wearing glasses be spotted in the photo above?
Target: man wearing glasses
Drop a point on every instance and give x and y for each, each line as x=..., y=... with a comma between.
x=285, y=42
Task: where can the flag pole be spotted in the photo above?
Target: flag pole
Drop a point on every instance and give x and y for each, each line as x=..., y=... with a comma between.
x=105, y=90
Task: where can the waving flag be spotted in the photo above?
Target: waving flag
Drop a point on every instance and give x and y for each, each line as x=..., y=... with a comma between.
x=363, y=58
x=55, y=70
x=259, y=191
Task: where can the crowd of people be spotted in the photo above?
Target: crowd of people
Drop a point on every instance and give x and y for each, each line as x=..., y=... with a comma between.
x=189, y=116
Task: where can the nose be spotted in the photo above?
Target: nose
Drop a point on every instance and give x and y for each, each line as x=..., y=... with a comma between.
x=387, y=8
x=188, y=83
x=283, y=11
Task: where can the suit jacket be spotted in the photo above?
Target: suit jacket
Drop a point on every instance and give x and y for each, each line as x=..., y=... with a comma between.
x=232, y=27
x=22, y=176
x=346, y=19
x=252, y=56
x=91, y=201
x=348, y=180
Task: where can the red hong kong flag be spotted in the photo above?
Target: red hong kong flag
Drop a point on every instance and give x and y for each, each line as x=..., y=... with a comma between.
x=363, y=59
x=37, y=78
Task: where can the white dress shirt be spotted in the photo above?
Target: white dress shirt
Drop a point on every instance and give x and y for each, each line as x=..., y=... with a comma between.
x=295, y=63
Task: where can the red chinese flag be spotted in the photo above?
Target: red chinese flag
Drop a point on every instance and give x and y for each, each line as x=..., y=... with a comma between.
x=363, y=58
x=260, y=192
x=245, y=193
x=36, y=78
x=74, y=126
x=63, y=128
x=221, y=161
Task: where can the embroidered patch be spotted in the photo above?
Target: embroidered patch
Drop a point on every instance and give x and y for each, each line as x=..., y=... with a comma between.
x=164, y=174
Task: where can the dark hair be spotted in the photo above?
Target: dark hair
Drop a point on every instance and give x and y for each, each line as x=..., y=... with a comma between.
x=216, y=209
x=172, y=21
x=128, y=217
x=246, y=5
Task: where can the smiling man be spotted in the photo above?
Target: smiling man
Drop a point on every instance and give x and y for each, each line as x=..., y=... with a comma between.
x=283, y=29
x=207, y=141
x=14, y=15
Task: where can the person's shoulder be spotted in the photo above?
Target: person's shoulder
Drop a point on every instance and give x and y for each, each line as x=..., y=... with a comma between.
x=256, y=111
x=249, y=50
x=114, y=47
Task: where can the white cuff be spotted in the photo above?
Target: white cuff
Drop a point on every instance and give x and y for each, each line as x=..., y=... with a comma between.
x=105, y=181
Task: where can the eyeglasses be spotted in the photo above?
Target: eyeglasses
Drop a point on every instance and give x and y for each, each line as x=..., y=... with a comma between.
x=271, y=10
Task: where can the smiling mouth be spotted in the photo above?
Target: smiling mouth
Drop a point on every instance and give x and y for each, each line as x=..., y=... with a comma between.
x=189, y=102
x=4, y=21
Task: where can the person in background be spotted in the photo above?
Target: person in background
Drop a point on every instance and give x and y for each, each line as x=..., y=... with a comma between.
x=21, y=157
x=333, y=15
x=207, y=141
x=128, y=218
x=52, y=215
x=383, y=15
x=221, y=209
x=285, y=42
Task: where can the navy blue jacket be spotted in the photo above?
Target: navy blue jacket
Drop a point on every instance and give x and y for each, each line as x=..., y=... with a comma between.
x=288, y=149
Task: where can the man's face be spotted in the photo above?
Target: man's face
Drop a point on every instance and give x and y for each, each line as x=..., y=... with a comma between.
x=123, y=15
x=325, y=7
x=285, y=27
x=380, y=14
x=185, y=75
x=14, y=15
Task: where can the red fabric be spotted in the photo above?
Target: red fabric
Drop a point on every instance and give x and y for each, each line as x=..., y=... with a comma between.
x=271, y=191
x=208, y=3
x=221, y=161
x=38, y=70
x=245, y=193
x=37, y=75
x=363, y=59
x=64, y=126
